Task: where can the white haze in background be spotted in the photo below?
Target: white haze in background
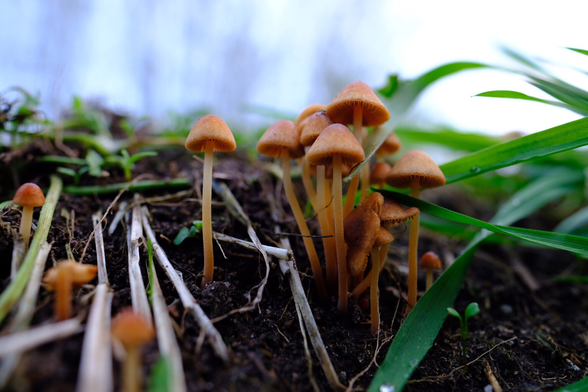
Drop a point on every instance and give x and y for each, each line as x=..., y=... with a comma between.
x=148, y=57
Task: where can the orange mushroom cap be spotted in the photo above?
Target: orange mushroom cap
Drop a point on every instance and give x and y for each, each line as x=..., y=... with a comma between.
x=335, y=139
x=131, y=329
x=280, y=135
x=430, y=260
x=358, y=93
x=379, y=173
x=29, y=195
x=390, y=145
x=415, y=165
x=313, y=127
x=79, y=274
x=393, y=212
x=310, y=110
x=361, y=229
x=210, y=128
x=384, y=237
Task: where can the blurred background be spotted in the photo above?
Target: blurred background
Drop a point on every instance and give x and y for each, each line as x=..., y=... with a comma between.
x=241, y=60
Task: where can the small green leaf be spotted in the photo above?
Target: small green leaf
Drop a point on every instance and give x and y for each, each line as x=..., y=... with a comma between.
x=182, y=235
x=141, y=155
x=95, y=162
x=160, y=375
x=389, y=90
x=67, y=171
x=454, y=313
x=197, y=224
x=582, y=51
x=471, y=310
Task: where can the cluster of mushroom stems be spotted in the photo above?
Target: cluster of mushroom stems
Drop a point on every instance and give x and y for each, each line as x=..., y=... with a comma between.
x=322, y=143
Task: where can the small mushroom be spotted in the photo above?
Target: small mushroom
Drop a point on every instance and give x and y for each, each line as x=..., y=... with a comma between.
x=28, y=196
x=430, y=261
x=336, y=144
x=359, y=105
x=208, y=135
x=414, y=170
x=62, y=279
x=132, y=332
x=379, y=173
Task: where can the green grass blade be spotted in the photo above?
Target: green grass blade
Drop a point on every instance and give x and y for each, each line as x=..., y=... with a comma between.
x=551, y=141
x=573, y=222
x=402, y=101
x=579, y=386
x=517, y=95
x=415, y=337
x=581, y=51
x=469, y=142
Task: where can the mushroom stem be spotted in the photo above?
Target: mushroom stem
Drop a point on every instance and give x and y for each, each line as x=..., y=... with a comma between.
x=341, y=247
x=302, y=226
x=26, y=223
x=326, y=229
x=207, y=214
x=374, y=305
x=367, y=281
x=63, y=288
x=131, y=370
x=307, y=182
x=365, y=182
x=412, y=251
x=429, y=278
x=354, y=183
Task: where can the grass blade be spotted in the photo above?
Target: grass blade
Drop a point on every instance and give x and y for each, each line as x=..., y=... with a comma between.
x=579, y=386
x=551, y=141
x=469, y=142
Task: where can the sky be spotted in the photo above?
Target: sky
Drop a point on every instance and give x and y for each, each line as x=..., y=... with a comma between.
x=147, y=57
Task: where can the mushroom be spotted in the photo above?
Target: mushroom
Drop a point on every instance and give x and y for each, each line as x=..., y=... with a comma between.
x=132, y=332
x=390, y=145
x=391, y=214
x=336, y=144
x=430, y=261
x=282, y=140
x=379, y=173
x=306, y=113
x=28, y=196
x=208, y=135
x=357, y=104
x=414, y=170
x=314, y=125
x=62, y=278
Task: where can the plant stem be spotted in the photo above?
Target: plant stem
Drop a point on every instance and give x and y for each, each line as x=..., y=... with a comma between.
x=25, y=223
x=374, y=304
x=317, y=271
x=13, y=292
x=207, y=214
x=326, y=230
x=139, y=186
x=307, y=182
x=339, y=238
x=412, y=252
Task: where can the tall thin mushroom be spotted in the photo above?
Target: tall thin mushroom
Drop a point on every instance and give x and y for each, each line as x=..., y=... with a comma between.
x=282, y=140
x=336, y=144
x=414, y=170
x=208, y=135
x=28, y=196
x=357, y=104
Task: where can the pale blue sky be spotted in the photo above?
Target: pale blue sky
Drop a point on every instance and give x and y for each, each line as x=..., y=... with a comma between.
x=149, y=57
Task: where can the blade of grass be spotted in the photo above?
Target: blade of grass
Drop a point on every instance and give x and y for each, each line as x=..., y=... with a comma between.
x=446, y=137
x=525, y=97
x=402, y=101
x=550, y=141
x=138, y=186
x=579, y=386
x=573, y=222
x=13, y=292
x=419, y=330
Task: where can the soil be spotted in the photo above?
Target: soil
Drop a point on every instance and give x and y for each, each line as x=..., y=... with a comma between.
x=527, y=338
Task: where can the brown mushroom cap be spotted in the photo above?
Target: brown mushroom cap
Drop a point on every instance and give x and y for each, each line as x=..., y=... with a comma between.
x=415, y=165
x=384, y=237
x=379, y=173
x=131, y=329
x=358, y=93
x=79, y=273
x=393, y=212
x=361, y=229
x=280, y=135
x=210, y=128
x=430, y=260
x=310, y=110
x=390, y=145
x=313, y=127
x=29, y=195
x=335, y=139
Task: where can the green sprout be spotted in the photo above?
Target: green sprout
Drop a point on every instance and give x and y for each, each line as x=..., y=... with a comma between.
x=186, y=232
x=75, y=174
x=126, y=161
x=471, y=310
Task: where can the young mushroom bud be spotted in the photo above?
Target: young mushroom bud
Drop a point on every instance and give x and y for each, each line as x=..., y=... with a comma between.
x=132, y=332
x=430, y=261
x=28, y=196
x=62, y=279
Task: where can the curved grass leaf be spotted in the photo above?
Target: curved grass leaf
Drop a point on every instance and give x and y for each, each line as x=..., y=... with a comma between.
x=551, y=141
x=402, y=100
x=517, y=95
x=416, y=337
x=469, y=142
x=573, y=222
x=581, y=51
x=579, y=386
